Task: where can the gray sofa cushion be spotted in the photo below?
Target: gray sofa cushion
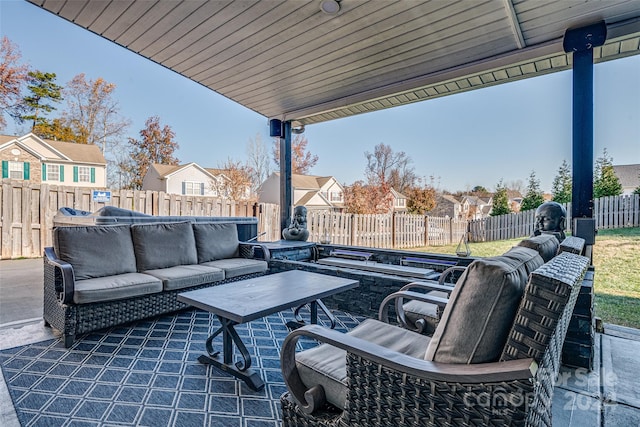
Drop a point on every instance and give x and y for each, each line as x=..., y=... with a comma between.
x=162, y=245
x=185, y=276
x=546, y=245
x=326, y=365
x=216, y=241
x=234, y=267
x=477, y=319
x=119, y=286
x=95, y=250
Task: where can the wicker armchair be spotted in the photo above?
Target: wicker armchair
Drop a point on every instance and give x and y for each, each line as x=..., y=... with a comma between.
x=420, y=313
x=384, y=387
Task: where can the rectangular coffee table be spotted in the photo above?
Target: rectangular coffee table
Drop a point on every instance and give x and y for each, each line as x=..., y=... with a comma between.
x=246, y=300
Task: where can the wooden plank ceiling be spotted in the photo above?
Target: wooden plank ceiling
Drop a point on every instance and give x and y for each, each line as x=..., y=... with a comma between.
x=287, y=59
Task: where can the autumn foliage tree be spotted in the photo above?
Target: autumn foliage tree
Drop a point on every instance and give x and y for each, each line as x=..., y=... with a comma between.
x=420, y=199
x=156, y=145
x=237, y=186
x=13, y=75
x=361, y=198
x=301, y=160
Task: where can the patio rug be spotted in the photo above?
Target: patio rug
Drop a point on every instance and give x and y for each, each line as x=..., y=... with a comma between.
x=147, y=374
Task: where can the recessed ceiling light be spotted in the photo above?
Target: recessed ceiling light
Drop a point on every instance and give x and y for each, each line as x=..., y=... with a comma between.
x=330, y=7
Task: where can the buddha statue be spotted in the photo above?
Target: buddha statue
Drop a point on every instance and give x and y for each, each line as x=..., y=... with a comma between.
x=297, y=230
x=551, y=219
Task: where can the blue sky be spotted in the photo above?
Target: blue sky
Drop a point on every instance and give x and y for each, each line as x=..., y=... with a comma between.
x=474, y=138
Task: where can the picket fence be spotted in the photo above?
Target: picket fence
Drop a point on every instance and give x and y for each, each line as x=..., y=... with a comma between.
x=27, y=214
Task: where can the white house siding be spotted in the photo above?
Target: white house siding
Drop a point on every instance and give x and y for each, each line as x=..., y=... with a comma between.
x=175, y=180
x=270, y=190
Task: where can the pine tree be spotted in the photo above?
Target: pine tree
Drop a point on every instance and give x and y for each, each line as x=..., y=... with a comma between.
x=605, y=181
x=500, y=201
x=534, y=196
x=562, y=186
x=44, y=92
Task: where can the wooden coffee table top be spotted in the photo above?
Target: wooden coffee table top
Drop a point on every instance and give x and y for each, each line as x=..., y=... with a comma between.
x=250, y=299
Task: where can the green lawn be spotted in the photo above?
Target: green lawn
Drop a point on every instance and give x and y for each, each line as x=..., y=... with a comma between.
x=616, y=258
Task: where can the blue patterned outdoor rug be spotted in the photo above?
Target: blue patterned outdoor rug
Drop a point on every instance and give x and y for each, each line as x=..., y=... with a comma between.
x=147, y=374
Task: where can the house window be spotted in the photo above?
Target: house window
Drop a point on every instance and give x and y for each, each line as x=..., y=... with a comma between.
x=16, y=170
x=55, y=173
x=84, y=174
x=193, y=188
x=335, y=196
x=401, y=203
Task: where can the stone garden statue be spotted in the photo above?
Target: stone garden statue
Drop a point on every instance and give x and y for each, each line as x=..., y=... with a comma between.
x=551, y=219
x=297, y=230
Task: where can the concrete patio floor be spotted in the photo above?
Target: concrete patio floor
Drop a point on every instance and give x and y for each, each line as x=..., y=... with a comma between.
x=607, y=396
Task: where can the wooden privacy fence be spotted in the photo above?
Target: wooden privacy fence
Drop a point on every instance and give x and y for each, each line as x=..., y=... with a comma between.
x=27, y=214
x=27, y=211
x=608, y=212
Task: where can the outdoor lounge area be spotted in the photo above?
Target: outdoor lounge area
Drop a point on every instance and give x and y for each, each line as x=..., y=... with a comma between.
x=150, y=371
x=311, y=336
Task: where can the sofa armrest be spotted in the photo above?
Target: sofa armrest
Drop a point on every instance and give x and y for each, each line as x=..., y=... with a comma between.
x=482, y=376
x=399, y=298
x=65, y=289
x=255, y=250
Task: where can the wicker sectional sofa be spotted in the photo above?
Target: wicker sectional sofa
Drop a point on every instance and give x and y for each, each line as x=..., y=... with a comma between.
x=98, y=276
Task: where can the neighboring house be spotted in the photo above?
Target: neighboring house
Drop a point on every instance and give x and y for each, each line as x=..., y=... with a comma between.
x=629, y=176
x=190, y=179
x=313, y=192
x=447, y=205
x=399, y=201
x=464, y=207
x=31, y=158
x=476, y=207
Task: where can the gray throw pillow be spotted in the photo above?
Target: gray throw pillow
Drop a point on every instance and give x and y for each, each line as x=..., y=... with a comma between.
x=546, y=245
x=477, y=319
x=530, y=258
x=216, y=241
x=162, y=245
x=95, y=250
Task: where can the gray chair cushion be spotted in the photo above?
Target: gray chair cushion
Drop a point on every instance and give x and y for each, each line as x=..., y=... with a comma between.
x=477, y=319
x=119, y=286
x=326, y=365
x=185, y=276
x=216, y=241
x=162, y=245
x=234, y=267
x=546, y=245
x=416, y=310
x=529, y=258
x=95, y=250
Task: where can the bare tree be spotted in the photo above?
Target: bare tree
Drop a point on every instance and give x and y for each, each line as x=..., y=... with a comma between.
x=385, y=166
x=13, y=75
x=258, y=163
x=93, y=114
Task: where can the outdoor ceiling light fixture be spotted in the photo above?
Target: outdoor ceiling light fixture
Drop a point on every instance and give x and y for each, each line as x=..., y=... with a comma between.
x=330, y=7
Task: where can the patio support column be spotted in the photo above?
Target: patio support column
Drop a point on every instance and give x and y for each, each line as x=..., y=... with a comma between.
x=286, y=190
x=578, y=348
x=581, y=42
